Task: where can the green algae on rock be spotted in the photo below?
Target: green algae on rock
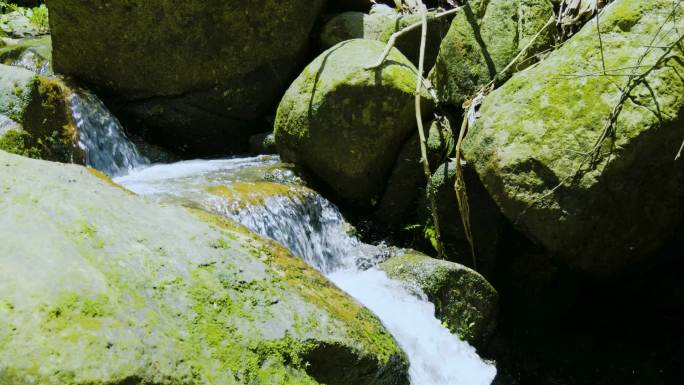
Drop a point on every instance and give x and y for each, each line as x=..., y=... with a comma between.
x=202, y=78
x=40, y=107
x=483, y=39
x=102, y=287
x=346, y=123
x=532, y=144
x=464, y=301
x=240, y=194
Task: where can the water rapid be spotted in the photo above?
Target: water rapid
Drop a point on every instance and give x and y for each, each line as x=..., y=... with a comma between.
x=314, y=229
x=102, y=137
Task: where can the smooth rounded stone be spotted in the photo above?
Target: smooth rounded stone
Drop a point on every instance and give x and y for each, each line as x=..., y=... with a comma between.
x=464, y=301
x=203, y=79
x=380, y=24
x=533, y=143
x=483, y=39
x=345, y=123
x=402, y=192
x=99, y=286
x=34, y=54
x=485, y=218
x=40, y=107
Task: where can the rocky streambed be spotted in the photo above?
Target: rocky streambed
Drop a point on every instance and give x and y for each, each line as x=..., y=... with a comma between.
x=307, y=242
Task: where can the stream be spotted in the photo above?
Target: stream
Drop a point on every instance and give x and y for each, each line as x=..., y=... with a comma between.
x=266, y=196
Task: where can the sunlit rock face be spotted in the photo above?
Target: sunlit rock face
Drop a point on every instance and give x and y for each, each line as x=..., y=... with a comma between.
x=201, y=76
x=346, y=122
x=99, y=286
x=582, y=163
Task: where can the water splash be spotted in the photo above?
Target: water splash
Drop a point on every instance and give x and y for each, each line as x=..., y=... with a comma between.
x=313, y=228
x=102, y=137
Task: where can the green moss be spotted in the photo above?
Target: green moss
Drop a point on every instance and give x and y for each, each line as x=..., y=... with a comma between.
x=482, y=41
x=530, y=145
x=242, y=194
x=18, y=142
x=108, y=180
x=74, y=310
x=464, y=301
x=350, y=149
x=317, y=290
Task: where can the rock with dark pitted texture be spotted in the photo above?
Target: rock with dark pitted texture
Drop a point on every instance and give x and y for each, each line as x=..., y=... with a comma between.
x=200, y=76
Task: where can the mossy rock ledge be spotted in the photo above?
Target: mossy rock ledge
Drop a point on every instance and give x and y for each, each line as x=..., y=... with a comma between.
x=39, y=108
x=531, y=143
x=99, y=286
x=200, y=76
x=346, y=123
x=464, y=301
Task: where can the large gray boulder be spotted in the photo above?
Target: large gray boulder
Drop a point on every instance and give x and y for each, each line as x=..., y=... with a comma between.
x=200, y=76
x=98, y=286
x=346, y=123
x=533, y=145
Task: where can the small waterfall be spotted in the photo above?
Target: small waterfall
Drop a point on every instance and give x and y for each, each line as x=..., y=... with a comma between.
x=313, y=228
x=102, y=137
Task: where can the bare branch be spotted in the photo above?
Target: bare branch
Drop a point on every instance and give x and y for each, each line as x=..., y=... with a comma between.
x=421, y=131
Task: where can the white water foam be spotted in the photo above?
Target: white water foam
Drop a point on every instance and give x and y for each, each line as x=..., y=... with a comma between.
x=102, y=137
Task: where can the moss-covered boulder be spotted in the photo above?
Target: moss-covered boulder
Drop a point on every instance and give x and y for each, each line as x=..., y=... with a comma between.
x=98, y=286
x=464, y=301
x=346, y=123
x=34, y=54
x=482, y=41
x=533, y=146
x=40, y=108
x=400, y=200
x=201, y=76
x=380, y=24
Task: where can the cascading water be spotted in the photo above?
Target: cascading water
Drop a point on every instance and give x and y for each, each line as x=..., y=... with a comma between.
x=102, y=137
x=313, y=228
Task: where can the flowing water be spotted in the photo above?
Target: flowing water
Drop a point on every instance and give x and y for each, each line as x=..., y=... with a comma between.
x=268, y=198
x=102, y=137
